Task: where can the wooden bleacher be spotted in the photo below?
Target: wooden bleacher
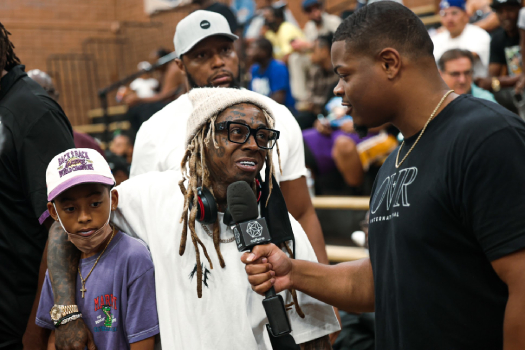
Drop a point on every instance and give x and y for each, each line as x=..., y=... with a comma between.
x=337, y=254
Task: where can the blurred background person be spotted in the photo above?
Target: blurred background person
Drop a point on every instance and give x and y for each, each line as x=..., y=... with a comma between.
x=459, y=34
x=279, y=32
x=482, y=15
x=455, y=67
x=172, y=84
x=145, y=86
x=269, y=77
x=254, y=29
x=319, y=23
x=320, y=82
x=505, y=65
x=122, y=145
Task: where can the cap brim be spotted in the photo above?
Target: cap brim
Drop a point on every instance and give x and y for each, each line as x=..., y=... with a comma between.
x=499, y=4
x=228, y=35
x=77, y=180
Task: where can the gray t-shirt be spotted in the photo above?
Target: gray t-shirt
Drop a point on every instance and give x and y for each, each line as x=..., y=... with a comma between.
x=119, y=306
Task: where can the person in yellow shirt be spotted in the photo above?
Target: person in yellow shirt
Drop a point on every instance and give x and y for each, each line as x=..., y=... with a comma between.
x=280, y=33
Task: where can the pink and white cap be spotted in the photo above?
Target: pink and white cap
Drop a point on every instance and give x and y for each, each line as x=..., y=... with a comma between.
x=76, y=166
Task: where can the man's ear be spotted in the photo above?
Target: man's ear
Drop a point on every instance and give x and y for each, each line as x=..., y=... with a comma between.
x=52, y=211
x=114, y=199
x=390, y=62
x=178, y=62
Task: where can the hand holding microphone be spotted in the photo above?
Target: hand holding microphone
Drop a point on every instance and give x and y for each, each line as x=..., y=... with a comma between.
x=268, y=266
x=249, y=233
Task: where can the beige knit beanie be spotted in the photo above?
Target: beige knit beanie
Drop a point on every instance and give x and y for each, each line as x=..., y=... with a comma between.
x=208, y=102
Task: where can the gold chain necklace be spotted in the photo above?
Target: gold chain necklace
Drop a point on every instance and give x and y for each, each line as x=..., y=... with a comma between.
x=422, y=131
x=229, y=240
x=83, y=289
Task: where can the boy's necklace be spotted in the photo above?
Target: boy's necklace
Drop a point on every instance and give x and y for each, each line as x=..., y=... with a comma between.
x=83, y=289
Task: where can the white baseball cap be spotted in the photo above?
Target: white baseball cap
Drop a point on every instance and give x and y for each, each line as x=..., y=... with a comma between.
x=76, y=166
x=198, y=26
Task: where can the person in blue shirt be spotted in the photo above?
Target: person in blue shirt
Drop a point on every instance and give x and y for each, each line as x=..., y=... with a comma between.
x=269, y=76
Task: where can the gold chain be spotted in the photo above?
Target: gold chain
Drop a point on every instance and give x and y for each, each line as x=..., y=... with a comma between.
x=95, y=264
x=422, y=131
x=228, y=240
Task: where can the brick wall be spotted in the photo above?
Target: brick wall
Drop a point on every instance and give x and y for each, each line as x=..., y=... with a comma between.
x=87, y=44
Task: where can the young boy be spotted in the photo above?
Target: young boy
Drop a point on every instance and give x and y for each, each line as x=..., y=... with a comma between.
x=115, y=284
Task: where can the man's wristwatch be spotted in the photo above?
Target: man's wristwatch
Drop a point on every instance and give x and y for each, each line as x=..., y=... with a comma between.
x=59, y=311
x=496, y=85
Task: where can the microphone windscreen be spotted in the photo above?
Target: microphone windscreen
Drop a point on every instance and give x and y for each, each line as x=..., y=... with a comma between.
x=242, y=203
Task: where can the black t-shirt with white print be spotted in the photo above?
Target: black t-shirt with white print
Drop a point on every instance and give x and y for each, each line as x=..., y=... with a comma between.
x=436, y=223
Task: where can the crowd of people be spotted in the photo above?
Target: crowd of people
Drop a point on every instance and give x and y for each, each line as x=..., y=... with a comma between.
x=94, y=246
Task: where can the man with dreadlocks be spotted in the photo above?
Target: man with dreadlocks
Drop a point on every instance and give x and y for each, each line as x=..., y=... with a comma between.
x=33, y=128
x=204, y=299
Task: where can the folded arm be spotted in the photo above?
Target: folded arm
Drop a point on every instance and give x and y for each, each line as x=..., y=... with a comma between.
x=62, y=263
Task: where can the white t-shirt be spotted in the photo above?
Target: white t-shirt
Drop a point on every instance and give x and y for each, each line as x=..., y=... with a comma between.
x=230, y=314
x=144, y=88
x=472, y=38
x=159, y=145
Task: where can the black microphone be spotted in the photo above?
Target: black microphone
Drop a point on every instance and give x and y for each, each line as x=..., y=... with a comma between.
x=250, y=231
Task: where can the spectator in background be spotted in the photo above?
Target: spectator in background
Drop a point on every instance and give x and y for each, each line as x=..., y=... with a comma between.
x=122, y=145
x=172, y=85
x=319, y=23
x=334, y=144
x=505, y=54
x=244, y=10
x=455, y=67
x=214, y=6
x=280, y=33
x=269, y=76
x=481, y=14
x=119, y=167
x=459, y=34
x=320, y=83
x=81, y=140
x=255, y=27
x=33, y=129
x=145, y=86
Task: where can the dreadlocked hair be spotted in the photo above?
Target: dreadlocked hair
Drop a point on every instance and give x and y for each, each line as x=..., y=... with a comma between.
x=195, y=170
x=8, y=59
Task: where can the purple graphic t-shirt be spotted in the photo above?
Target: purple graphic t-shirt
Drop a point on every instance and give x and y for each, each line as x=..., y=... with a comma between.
x=119, y=305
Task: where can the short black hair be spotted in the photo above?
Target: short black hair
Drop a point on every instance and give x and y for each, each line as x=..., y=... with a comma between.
x=265, y=45
x=385, y=24
x=278, y=12
x=326, y=40
x=454, y=54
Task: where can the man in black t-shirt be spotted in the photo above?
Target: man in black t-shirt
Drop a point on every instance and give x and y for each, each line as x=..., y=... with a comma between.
x=447, y=223
x=505, y=53
x=33, y=129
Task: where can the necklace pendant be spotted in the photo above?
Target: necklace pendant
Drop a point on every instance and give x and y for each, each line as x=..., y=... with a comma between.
x=83, y=290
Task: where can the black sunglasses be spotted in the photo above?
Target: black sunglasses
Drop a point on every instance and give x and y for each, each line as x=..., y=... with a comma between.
x=239, y=133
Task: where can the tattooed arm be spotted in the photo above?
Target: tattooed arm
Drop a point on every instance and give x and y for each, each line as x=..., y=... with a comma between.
x=62, y=263
x=322, y=343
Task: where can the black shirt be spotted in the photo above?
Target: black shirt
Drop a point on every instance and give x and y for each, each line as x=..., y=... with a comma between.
x=503, y=49
x=226, y=12
x=33, y=129
x=437, y=222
